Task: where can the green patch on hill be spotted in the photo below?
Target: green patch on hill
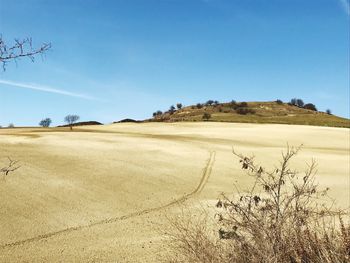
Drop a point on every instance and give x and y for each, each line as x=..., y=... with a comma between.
x=251, y=112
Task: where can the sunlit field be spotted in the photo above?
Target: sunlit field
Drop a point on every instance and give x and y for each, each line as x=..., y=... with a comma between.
x=102, y=193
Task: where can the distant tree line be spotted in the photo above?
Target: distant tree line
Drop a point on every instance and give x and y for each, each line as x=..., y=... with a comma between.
x=69, y=119
x=300, y=103
x=171, y=110
x=240, y=108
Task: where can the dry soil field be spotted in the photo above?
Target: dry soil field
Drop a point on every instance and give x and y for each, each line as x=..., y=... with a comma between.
x=101, y=193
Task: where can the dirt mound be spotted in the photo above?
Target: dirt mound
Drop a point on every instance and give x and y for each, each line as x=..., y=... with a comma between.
x=83, y=123
x=127, y=120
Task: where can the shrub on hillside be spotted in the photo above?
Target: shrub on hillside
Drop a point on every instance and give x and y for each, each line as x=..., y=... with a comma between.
x=179, y=106
x=245, y=111
x=199, y=105
x=234, y=106
x=279, y=219
x=243, y=104
x=279, y=102
x=206, y=116
x=310, y=106
x=329, y=112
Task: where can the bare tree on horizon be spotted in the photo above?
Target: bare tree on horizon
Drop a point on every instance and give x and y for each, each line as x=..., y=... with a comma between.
x=71, y=119
x=45, y=122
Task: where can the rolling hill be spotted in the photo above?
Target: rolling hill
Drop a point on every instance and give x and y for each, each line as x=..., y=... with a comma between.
x=252, y=112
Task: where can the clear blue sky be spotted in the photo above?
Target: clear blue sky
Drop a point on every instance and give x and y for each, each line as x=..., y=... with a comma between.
x=129, y=58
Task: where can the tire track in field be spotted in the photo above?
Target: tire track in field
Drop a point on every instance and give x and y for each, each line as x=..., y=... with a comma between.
x=204, y=179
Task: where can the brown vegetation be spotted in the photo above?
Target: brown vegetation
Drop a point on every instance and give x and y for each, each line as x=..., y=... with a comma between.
x=284, y=217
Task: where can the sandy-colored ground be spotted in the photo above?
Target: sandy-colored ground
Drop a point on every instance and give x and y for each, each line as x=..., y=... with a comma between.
x=101, y=194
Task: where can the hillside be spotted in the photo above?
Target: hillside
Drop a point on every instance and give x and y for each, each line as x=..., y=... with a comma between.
x=252, y=112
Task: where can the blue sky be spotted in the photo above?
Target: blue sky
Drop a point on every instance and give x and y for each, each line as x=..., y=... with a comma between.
x=128, y=58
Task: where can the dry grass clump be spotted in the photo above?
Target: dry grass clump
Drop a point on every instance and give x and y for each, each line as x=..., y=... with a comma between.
x=284, y=217
x=193, y=239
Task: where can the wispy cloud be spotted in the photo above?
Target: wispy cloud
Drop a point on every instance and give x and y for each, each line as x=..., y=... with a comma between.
x=45, y=89
x=346, y=6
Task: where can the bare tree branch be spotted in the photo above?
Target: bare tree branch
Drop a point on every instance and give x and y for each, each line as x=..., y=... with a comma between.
x=21, y=48
x=11, y=167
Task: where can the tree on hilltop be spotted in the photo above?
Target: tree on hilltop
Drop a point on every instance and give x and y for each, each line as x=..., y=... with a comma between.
x=297, y=102
x=199, y=105
x=71, y=119
x=171, y=109
x=209, y=102
x=45, y=122
x=157, y=113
